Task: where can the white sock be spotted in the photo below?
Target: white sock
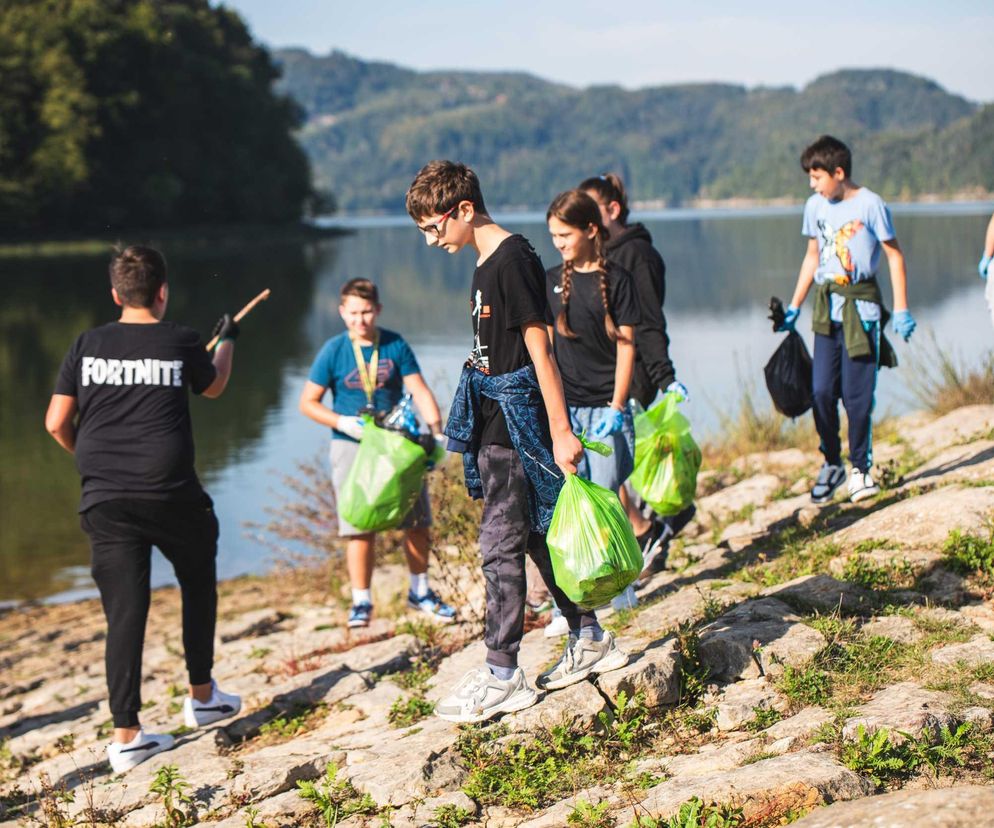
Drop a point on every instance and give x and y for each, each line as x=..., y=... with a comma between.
x=361, y=596
x=419, y=584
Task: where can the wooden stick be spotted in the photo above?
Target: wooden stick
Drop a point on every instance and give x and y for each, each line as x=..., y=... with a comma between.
x=243, y=313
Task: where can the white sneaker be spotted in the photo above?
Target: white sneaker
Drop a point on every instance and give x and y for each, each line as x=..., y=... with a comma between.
x=218, y=706
x=557, y=626
x=480, y=695
x=861, y=486
x=626, y=600
x=145, y=745
x=582, y=657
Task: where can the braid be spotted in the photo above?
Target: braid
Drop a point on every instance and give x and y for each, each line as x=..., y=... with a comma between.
x=566, y=282
x=612, y=330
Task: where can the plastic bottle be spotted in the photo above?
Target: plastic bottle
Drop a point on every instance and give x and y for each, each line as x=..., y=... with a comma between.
x=402, y=418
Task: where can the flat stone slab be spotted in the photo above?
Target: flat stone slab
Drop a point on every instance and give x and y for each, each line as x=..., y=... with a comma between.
x=903, y=707
x=757, y=638
x=575, y=707
x=895, y=627
x=978, y=650
x=968, y=806
x=960, y=426
x=654, y=672
x=816, y=770
x=801, y=725
x=768, y=517
x=925, y=520
x=753, y=491
x=823, y=592
x=739, y=701
x=971, y=462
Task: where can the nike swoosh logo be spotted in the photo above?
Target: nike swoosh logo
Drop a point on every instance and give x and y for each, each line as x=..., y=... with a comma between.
x=557, y=289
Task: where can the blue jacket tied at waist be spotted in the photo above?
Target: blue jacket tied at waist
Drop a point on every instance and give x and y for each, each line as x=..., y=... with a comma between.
x=520, y=400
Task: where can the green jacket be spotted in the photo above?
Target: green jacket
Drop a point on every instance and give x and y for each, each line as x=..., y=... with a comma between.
x=856, y=337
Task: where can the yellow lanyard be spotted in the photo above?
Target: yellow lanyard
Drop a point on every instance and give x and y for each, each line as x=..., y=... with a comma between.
x=367, y=375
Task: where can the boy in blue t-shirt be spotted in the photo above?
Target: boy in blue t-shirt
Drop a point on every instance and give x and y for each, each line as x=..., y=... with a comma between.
x=367, y=366
x=847, y=225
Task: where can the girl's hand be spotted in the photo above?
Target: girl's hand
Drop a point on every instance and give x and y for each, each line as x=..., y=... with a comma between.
x=610, y=422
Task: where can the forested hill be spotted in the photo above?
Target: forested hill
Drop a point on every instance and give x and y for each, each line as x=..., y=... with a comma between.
x=370, y=126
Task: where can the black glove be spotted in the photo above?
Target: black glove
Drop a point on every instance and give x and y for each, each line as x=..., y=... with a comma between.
x=226, y=328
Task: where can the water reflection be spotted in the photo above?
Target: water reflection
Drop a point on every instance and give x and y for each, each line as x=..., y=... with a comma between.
x=721, y=271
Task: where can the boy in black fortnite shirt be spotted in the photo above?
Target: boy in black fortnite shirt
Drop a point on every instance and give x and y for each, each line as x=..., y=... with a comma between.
x=121, y=407
x=509, y=419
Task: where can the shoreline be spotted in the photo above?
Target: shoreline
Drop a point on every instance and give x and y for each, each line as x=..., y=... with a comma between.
x=194, y=236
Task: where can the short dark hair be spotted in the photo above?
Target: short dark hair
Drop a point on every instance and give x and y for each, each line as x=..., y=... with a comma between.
x=828, y=154
x=137, y=273
x=609, y=187
x=440, y=186
x=363, y=288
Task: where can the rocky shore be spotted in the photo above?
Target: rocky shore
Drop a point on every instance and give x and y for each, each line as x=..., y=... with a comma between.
x=827, y=666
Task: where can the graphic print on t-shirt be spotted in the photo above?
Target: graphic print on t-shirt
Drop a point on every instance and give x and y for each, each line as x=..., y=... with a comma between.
x=383, y=370
x=100, y=371
x=477, y=358
x=835, y=245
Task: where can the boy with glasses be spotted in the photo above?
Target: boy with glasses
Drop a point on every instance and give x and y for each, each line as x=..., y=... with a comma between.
x=509, y=419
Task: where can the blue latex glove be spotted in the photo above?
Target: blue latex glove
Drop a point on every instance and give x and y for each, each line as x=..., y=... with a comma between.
x=677, y=387
x=609, y=423
x=985, y=262
x=904, y=324
x=789, y=319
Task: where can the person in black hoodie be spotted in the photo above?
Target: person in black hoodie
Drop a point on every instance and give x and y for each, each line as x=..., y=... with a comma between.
x=630, y=245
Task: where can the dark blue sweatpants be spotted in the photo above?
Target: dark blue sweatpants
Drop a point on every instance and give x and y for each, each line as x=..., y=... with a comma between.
x=835, y=376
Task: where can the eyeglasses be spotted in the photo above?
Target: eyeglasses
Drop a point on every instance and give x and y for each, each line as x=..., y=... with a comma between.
x=438, y=227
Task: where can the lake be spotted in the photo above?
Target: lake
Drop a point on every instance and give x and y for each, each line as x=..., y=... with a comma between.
x=722, y=268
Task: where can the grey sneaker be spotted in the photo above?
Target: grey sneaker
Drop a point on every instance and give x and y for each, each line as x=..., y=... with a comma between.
x=829, y=479
x=480, y=695
x=582, y=657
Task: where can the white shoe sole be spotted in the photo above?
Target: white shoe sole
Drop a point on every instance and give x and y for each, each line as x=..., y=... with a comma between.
x=864, y=494
x=613, y=661
x=551, y=631
x=519, y=701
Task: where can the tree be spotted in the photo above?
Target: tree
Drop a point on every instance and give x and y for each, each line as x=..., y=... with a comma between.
x=119, y=113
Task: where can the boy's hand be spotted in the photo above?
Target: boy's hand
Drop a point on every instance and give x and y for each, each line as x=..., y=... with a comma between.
x=677, y=387
x=904, y=324
x=225, y=328
x=789, y=319
x=351, y=426
x=567, y=451
x=985, y=262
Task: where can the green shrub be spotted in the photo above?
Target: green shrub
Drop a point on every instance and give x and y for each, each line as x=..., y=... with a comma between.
x=407, y=711
x=591, y=816
x=336, y=799
x=807, y=685
x=970, y=553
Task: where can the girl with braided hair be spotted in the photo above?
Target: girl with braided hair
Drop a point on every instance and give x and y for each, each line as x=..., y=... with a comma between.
x=592, y=314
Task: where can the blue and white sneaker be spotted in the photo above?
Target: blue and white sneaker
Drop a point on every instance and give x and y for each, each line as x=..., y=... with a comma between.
x=431, y=604
x=359, y=615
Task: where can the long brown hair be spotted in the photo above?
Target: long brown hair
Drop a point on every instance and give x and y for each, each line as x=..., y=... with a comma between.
x=577, y=209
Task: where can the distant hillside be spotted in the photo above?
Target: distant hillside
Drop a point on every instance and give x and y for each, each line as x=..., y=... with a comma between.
x=370, y=126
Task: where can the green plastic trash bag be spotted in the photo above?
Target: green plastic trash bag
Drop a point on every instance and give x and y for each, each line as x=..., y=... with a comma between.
x=593, y=549
x=384, y=480
x=666, y=458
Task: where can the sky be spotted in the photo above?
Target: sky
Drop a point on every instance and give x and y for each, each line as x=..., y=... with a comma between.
x=644, y=43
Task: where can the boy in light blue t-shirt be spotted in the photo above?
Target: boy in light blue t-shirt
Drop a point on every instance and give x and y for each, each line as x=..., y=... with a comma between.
x=847, y=227
x=368, y=366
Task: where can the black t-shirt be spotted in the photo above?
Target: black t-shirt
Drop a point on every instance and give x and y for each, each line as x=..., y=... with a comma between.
x=130, y=382
x=508, y=292
x=587, y=363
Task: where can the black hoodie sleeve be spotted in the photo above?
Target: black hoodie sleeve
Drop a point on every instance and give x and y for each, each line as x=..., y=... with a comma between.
x=651, y=341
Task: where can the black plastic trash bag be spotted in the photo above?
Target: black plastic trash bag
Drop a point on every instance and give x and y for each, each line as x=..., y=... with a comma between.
x=788, y=373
